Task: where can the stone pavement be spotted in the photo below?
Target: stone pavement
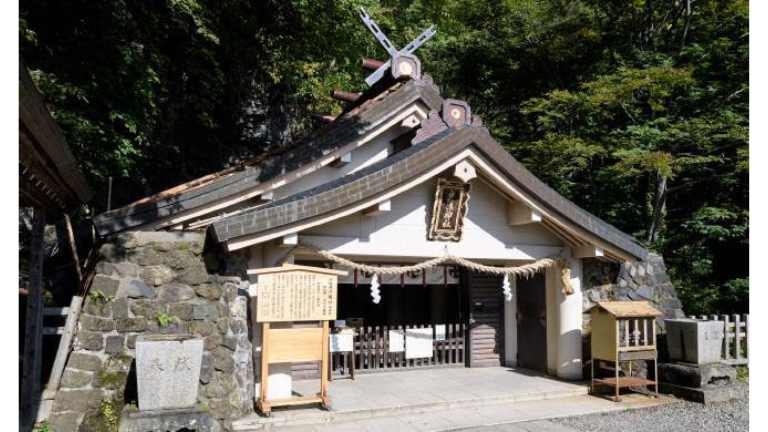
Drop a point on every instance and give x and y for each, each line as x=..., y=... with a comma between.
x=396, y=394
x=529, y=416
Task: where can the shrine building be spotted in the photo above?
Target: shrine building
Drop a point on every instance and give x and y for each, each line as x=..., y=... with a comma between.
x=444, y=237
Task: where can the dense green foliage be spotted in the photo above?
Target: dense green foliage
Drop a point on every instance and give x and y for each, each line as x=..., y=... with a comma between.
x=637, y=110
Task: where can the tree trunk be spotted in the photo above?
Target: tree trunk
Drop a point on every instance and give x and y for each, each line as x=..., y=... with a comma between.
x=659, y=208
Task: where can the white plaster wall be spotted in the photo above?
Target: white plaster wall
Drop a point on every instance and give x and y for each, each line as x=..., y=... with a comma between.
x=402, y=231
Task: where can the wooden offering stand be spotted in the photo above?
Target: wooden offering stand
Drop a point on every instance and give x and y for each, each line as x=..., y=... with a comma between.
x=293, y=293
x=622, y=332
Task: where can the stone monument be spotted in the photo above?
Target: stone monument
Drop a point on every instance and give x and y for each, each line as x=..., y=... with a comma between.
x=695, y=371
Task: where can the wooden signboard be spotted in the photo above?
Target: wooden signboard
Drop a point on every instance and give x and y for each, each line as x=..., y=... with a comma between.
x=295, y=293
x=298, y=295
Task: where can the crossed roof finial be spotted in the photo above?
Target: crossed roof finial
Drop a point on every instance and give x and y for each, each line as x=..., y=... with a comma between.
x=402, y=62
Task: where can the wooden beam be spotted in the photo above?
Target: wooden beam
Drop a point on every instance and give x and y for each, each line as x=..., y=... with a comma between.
x=342, y=160
x=290, y=240
x=379, y=208
x=588, y=251
x=268, y=196
x=520, y=214
x=411, y=121
x=33, y=326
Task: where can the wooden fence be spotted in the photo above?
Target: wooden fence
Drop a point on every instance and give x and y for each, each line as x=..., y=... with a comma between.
x=736, y=341
x=371, y=350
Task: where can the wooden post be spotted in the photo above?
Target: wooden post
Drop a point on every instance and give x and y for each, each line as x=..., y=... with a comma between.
x=737, y=336
x=33, y=327
x=73, y=248
x=727, y=338
x=264, y=374
x=323, y=369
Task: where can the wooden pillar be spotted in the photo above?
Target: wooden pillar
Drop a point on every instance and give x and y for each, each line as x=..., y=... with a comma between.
x=73, y=248
x=33, y=326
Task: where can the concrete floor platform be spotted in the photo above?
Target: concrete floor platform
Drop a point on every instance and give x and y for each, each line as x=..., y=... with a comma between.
x=392, y=396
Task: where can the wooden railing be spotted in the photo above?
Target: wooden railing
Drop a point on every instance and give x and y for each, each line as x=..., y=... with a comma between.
x=736, y=340
x=372, y=353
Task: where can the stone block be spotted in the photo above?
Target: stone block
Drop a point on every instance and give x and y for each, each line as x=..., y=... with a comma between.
x=194, y=275
x=208, y=291
x=131, y=324
x=157, y=275
x=168, y=371
x=694, y=341
x=703, y=395
x=205, y=311
x=212, y=341
x=76, y=400
x=693, y=375
x=90, y=341
x=182, y=311
x=130, y=341
x=144, y=308
x=135, y=289
x=94, y=323
x=174, y=292
x=147, y=256
x=120, y=308
x=73, y=378
x=111, y=380
x=65, y=421
x=114, y=344
x=84, y=361
x=189, y=419
x=222, y=360
x=126, y=269
x=106, y=285
x=206, y=368
x=98, y=307
x=201, y=328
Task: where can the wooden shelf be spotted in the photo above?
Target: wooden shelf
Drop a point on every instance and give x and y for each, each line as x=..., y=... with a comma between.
x=624, y=382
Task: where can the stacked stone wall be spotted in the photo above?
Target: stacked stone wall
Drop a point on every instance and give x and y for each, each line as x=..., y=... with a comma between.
x=157, y=283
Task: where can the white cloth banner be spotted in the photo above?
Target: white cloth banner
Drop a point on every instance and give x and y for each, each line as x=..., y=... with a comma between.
x=418, y=343
x=342, y=341
x=396, y=341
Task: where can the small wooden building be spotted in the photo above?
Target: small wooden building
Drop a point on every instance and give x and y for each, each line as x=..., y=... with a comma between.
x=52, y=186
x=623, y=332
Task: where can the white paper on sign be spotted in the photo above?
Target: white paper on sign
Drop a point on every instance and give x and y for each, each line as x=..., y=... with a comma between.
x=396, y=341
x=439, y=332
x=418, y=343
x=342, y=341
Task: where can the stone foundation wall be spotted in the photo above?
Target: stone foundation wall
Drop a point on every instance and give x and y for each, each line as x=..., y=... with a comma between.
x=642, y=280
x=157, y=283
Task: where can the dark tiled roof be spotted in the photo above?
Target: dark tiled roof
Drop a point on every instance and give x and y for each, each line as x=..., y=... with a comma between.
x=372, y=109
x=418, y=159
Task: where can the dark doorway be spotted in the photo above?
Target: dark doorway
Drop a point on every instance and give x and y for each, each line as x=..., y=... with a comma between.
x=532, y=323
x=486, y=324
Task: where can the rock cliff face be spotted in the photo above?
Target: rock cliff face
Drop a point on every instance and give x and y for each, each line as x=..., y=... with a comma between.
x=642, y=280
x=149, y=283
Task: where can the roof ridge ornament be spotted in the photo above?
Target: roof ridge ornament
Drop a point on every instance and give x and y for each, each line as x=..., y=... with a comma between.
x=402, y=64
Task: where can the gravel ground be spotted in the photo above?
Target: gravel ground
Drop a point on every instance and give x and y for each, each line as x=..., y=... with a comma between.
x=677, y=417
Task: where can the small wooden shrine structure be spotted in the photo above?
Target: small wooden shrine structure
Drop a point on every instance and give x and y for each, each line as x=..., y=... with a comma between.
x=52, y=186
x=292, y=293
x=623, y=332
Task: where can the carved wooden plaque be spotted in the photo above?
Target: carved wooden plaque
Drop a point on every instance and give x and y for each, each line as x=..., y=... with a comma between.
x=296, y=293
x=448, y=210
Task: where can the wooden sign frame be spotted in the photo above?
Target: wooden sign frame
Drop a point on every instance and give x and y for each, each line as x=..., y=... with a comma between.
x=285, y=345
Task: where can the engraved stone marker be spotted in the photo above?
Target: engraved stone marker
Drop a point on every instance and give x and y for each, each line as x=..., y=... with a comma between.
x=167, y=371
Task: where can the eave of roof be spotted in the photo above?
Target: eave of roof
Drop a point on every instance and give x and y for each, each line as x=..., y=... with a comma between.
x=49, y=175
x=419, y=158
x=373, y=109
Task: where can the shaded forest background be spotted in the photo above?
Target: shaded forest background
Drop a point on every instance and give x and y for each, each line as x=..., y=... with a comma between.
x=637, y=110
